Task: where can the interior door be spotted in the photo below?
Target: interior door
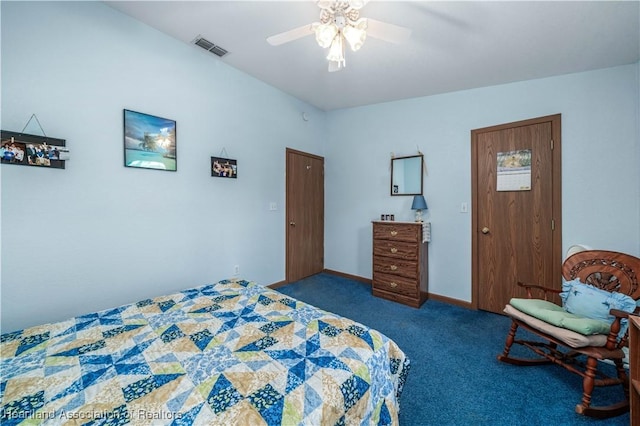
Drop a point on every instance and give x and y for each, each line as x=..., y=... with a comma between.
x=305, y=215
x=516, y=217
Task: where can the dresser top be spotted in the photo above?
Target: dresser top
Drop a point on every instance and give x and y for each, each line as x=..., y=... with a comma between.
x=399, y=222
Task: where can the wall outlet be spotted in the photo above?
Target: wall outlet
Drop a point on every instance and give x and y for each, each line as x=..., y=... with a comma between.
x=236, y=270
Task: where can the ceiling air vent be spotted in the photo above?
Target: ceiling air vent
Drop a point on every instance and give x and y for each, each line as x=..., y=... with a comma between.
x=207, y=45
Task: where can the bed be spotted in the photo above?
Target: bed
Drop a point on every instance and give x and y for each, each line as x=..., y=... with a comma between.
x=228, y=353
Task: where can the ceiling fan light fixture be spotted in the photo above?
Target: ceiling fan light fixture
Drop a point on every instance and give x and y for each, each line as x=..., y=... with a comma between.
x=336, y=51
x=356, y=35
x=335, y=66
x=325, y=33
x=340, y=24
x=325, y=4
x=357, y=4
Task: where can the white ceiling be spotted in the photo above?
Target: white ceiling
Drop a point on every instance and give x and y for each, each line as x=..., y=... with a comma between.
x=454, y=45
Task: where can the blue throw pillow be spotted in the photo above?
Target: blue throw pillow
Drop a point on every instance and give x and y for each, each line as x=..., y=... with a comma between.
x=591, y=302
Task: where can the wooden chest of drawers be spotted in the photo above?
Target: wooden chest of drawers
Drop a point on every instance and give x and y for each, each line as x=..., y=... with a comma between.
x=400, y=260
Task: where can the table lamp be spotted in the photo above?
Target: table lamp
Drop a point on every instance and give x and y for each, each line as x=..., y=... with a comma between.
x=418, y=205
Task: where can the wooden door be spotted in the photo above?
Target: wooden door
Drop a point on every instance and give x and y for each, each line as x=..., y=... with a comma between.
x=516, y=226
x=305, y=215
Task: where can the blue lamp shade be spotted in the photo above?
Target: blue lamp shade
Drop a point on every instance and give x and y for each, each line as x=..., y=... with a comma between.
x=419, y=203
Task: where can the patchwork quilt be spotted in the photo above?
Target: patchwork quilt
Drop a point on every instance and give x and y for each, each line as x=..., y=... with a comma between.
x=230, y=353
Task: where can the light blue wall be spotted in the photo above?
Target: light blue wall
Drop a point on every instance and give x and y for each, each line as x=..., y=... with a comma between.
x=600, y=167
x=97, y=234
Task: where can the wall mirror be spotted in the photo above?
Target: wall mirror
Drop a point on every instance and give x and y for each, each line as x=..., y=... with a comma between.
x=406, y=175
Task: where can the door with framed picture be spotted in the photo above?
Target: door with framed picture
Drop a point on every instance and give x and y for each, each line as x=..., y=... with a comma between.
x=516, y=215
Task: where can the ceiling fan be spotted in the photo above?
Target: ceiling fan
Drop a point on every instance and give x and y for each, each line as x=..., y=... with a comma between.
x=340, y=24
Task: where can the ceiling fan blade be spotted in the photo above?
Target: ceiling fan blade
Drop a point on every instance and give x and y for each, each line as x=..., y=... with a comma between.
x=387, y=32
x=287, y=36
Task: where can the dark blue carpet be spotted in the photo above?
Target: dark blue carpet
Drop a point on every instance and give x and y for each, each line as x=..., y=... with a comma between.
x=455, y=378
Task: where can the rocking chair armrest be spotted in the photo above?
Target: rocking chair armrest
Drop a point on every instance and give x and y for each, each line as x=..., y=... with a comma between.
x=544, y=290
x=620, y=314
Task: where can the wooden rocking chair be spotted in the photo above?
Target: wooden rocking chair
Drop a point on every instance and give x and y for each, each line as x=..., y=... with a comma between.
x=606, y=270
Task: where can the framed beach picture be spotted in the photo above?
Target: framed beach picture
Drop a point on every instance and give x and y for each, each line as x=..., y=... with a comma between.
x=224, y=167
x=149, y=141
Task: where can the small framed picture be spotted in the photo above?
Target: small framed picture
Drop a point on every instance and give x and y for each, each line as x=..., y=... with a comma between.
x=149, y=141
x=224, y=167
x=32, y=150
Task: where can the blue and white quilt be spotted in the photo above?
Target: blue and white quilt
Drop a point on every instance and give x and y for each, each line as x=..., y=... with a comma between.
x=230, y=353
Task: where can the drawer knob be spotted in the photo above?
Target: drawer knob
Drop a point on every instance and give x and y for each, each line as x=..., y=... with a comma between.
x=393, y=267
x=394, y=250
x=393, y=285
x=394, y=233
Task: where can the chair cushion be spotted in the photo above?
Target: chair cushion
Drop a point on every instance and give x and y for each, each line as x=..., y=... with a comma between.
x=555, y=315
x=571, y=338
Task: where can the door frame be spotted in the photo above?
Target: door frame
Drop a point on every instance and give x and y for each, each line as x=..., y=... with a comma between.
x=556, y=199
